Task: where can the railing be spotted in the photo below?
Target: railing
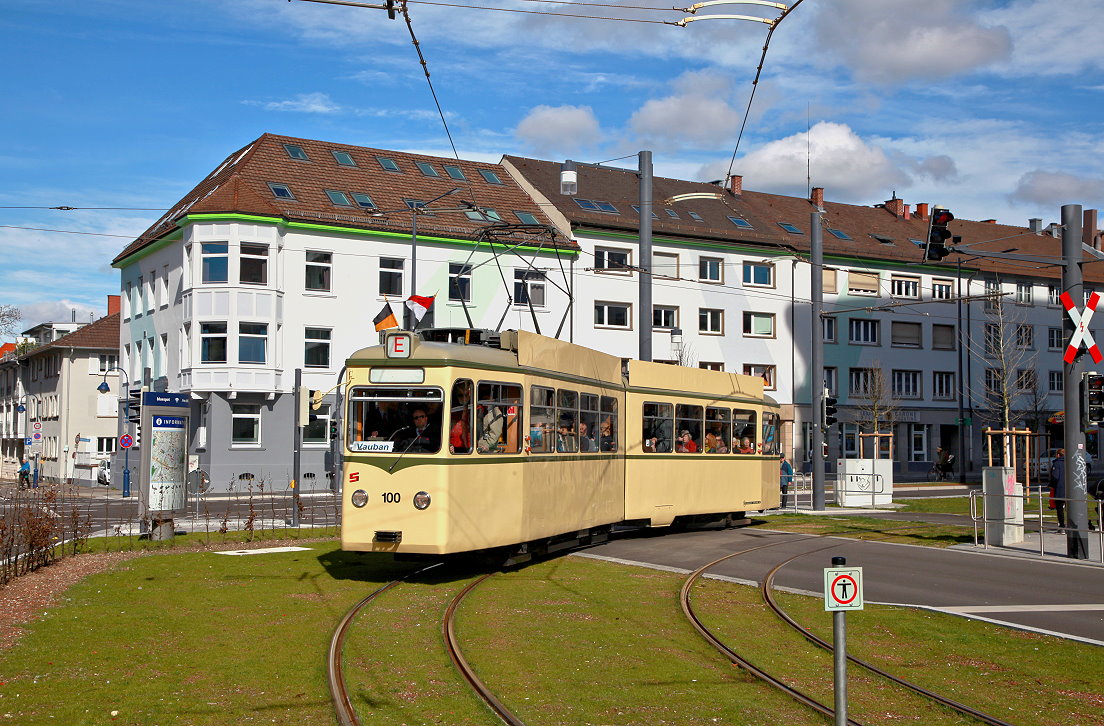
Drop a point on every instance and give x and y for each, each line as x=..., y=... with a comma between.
x=975, y=495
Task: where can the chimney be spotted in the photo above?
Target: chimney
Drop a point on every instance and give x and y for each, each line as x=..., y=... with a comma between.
x=1090, y=235
x=817, y=197
x=922, y=210
x=74, y=316
x=112, y=304
x=736, y=184
x=908, y=211
x=1035, y=224
x=895, y=205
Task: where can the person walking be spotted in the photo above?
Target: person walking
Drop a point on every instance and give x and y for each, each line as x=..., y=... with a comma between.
x=786, y=477
x=24, y=474
x=1058, y=487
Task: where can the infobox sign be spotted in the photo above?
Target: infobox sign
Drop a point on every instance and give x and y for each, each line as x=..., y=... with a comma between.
x=398, y=346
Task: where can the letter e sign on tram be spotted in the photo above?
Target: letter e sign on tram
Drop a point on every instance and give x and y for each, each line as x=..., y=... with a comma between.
x=398, y=345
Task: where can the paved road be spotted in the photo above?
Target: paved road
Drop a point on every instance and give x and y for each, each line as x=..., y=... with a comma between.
x=1051, y=594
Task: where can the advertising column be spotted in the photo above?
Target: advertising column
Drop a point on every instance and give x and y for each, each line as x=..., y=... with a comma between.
x=164, y=460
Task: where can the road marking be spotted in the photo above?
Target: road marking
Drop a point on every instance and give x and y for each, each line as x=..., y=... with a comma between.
x=264, y=551
x=1023, y=608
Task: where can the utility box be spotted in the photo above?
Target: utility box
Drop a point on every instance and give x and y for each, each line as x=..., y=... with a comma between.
x=864, y=482
x=1003, y=506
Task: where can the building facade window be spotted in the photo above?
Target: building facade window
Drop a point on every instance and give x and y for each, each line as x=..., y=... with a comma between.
x=711, y=269
x=664, y=317
x=245, y=423
x=214, y=261
x=943, y=337
x=862, y=283
x=829, y=277
x=993, y=290
x=212, y=344
x=459, y=282
x=906, y=384
x=252, y=343
x=943, y=385
x=1026, y=380
x=992, y=379
x=758, y=274
x=942, y=289
x=108, y=361
x=905, y=335
x=829, y=329
x=918, y=442
x=758, y=325
x=317, y=430
x=1024, y=293
x=529, y=287
x=1025, y=336
x=612, y=315
x=711, y=321
x=1053, y=295
x=391, y=276
x=992, y=339
x=859, y=382
x=711, y=366
x=665, y=265
x=766, y=372
x=862, y=331
x=831, y=380
x=1056, y=382
x=316, y=350
x=253, y=264
x=900, y=286
x=1056, y=339
x=617, y=261
x=319, y=265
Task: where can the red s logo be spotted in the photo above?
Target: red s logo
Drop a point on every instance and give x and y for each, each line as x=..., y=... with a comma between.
x=354, y=476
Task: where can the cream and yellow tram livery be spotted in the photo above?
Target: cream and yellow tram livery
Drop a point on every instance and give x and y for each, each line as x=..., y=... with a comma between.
x=459, y=441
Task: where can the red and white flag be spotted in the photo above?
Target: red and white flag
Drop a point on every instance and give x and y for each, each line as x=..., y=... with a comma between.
x=419, y=305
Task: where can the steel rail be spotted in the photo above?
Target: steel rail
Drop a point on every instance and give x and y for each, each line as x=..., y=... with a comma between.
x=768, y=596
x=687, y=608
x=335, y=672
x=462, y=665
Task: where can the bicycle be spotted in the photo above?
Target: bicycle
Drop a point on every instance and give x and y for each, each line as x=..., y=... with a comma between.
x=940, y=473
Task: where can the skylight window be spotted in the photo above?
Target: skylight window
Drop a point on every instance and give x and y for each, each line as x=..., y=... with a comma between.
x=363, y=200
x=695, y=216
x=636, y=208
x=671, y=213
x=527, y=217
x=917, y=242
x=280, y=191
x=596, y=206
x=741, y=222
x=426, y=168
x=606, y=207
x=341, y=199
x=343, y=157
x=489, y=176
x=416, y=204
x=839, y=233
x=791, y=228
x=882, y=238
x=388, y=164
x=483, y=215
x=296, y=152
x=455, y=172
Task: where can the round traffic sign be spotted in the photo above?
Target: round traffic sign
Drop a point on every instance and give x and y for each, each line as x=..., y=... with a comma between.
x=844, y=589
x=126, y=441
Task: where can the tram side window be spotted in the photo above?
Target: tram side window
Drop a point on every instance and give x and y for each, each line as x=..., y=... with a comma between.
x=460, y=417
x=588, y=423
x=542, y=416
x=718, y=430
x=743, y=432
x=607, y=436
x=498, y=416
x=404, y=420
x=658, y=427
x=688, y=423
x=770, y=434
x=567, y=418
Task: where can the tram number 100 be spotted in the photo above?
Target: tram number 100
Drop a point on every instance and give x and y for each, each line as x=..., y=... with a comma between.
x=391, y=497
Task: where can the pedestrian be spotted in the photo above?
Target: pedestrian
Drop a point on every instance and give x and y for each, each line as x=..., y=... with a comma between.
x=787, y=473
x=1058, y=487
x=24, y=474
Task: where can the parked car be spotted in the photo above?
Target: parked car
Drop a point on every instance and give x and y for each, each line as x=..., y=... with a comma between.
x=103, y=473
x=1051, y=455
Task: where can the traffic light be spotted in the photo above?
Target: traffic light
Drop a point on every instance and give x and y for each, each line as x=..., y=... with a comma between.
x=333, y=429
x=938, y=234
x=134, y=413
x=1092, y=389
x=828, y=410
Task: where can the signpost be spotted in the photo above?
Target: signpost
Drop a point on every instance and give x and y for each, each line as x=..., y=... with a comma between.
x=1081, y=332
x=843, y=591
x=164, y=453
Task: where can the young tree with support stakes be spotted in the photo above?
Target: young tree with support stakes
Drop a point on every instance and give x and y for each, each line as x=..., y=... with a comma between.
x=876, y=402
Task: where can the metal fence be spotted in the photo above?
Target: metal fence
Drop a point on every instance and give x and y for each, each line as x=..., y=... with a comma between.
x=1041, y=510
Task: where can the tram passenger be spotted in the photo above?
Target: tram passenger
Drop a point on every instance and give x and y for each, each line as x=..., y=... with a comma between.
x=746, y=446
x=491, y=424
x=686, y=443
x=586, y=441
x=460, y=419
x=384, y=420
x=607, y=441
x=714, y=444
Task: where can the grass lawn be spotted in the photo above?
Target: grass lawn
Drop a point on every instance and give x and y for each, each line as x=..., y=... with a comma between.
x=202, y=638
x=860, y=527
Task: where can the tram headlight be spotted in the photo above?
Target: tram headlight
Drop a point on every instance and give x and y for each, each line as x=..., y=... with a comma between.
x=359, y=498
x=421, y=500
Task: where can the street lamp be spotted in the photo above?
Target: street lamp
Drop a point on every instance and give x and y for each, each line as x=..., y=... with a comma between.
x=22, y=407
x=676, y=344
x=104, y=388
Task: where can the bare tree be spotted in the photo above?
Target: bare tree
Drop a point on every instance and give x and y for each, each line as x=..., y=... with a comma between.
x=875, y=401
x=9, y=320
x=684, y=355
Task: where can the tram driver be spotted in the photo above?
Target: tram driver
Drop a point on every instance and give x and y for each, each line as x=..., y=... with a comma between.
x=422, y=436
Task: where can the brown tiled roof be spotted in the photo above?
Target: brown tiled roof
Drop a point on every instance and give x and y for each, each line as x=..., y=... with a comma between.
x=100, y=335
x=766, y=212
x=240, y=185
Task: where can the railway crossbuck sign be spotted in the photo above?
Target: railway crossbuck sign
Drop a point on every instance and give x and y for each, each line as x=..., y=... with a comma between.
x=843, y=588
x=1081, y=332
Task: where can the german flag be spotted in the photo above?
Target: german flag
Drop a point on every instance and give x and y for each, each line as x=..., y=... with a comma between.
x=386, y=318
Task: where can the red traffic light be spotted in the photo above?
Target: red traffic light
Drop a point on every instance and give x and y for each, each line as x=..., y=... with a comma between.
x=941, y=217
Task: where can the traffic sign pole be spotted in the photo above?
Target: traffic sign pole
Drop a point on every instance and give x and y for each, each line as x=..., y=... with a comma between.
x=842, y=592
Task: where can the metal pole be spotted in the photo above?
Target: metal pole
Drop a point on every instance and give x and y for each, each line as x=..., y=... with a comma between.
x=816, y=384
x=839, y=653
x=645, y=264
x=408, y=314
x=961, y=417
x=1075, y=470
x=297, y=449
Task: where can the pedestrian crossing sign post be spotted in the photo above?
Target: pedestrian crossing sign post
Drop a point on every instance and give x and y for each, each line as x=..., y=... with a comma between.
x=843, y=588
x=843, y=591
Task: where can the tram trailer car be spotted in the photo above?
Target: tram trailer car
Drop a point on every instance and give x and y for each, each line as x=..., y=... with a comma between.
x=465, y=440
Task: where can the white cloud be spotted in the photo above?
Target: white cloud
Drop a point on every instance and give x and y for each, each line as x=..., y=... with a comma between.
x=559, y=129
x=698, y=112
x=1050, y=38
x=302, y=103
x=61, y=311
x=1053, y=189
x=888, y=41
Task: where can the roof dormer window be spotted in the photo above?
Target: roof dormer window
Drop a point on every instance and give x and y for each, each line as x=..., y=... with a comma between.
x=281, y=191
x=388, y=164
x=426, y=168
x=741, y=222
x=344, y=158
x=489, y=176
x=296, y=152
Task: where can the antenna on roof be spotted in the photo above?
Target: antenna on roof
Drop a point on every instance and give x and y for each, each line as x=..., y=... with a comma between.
x=808, y=149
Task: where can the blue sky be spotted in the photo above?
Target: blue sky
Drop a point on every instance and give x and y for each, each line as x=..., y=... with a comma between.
x=993, y=109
